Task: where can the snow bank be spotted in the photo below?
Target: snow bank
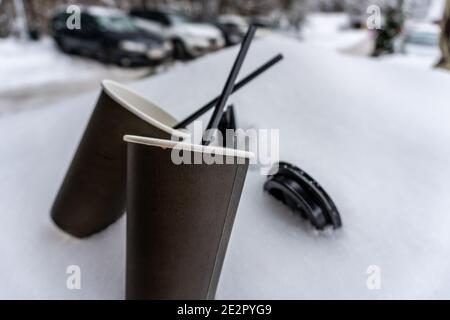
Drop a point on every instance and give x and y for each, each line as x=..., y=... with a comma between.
x=25, y=64
x=35, y=69
x=330, y=31
x=436, y=10
x=374, y=135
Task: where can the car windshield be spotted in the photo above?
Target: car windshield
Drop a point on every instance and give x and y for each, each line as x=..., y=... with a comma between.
x=118, y=23
x=178, y=19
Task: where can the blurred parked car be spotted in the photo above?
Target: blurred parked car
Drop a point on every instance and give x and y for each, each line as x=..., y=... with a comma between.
x=421, y=38
x=425, y=33
x=189, y=39
x=233, y=28
x=264, y=22
x=110, y=36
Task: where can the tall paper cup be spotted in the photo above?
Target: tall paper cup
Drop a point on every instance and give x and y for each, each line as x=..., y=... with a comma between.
x=179, y=218
x=92, y=195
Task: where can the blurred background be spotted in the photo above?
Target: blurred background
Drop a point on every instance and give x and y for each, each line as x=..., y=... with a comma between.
x=132, y=39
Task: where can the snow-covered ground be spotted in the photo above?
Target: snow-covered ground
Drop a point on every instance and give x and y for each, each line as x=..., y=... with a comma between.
x=374, y=134
x=423, y=57
x=37, y=73
x=330, y=31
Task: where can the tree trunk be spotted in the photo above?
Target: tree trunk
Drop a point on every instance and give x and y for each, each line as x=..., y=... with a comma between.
x=21, y=19
x=224, y=6
x=445, y=38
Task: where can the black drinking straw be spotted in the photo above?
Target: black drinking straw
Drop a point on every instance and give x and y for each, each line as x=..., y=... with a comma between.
x=239, y=85
x=218, y=110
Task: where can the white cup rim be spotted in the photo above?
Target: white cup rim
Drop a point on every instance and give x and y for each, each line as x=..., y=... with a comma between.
x=170, y=144
x=124, y=97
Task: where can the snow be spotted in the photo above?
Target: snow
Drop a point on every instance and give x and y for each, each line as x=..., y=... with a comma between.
x=435, y=10
x=374, y=134
x=29, y=69
x=330, y=31
x=25, y=61
x=417, y=56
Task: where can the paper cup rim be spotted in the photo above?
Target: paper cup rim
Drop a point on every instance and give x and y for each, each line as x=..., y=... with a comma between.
x=170, y=144
x=108, y=87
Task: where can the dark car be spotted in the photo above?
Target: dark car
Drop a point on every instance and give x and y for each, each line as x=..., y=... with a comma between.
x=233, y=28
x=110, y=36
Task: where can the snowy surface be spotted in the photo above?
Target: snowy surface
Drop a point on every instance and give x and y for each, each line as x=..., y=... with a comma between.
x=416, y=56
x=436, y=9
x=374, y=134
x=330, y=31
x=30, y=69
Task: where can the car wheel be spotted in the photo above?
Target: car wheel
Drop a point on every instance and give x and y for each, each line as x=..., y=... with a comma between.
x=179, y=50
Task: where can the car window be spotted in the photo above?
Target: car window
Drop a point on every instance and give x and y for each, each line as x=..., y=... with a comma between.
x=163, y=19
x=59, y=22
x=121, y=24
x=88, y=24
x=156, y=17
x=177, y=18
x=152, y=16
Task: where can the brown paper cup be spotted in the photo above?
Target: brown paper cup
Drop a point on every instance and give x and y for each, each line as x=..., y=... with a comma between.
x=92, y=195
x=179, y=218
